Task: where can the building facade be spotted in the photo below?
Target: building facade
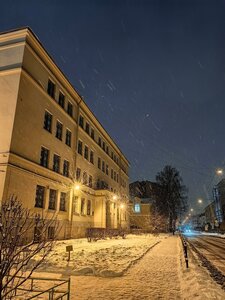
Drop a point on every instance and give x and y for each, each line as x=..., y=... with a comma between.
x=55, y=156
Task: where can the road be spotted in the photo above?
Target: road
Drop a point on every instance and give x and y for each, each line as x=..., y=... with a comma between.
x=212, y=247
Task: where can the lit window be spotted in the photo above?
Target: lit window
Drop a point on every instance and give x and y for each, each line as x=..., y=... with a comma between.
x=137, y=208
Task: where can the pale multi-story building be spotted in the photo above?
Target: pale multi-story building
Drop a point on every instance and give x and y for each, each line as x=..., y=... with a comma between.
x=55, y=156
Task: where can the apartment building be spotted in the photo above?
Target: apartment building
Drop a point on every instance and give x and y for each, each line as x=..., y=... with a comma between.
x=55, y=156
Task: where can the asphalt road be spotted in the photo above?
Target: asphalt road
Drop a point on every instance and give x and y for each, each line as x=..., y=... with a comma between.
x=213, y=248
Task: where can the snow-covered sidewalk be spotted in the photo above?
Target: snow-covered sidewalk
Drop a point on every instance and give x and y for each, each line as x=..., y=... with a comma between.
x=155, y=276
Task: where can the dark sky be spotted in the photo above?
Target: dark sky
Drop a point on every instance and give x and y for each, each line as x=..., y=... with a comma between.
x=153, y=72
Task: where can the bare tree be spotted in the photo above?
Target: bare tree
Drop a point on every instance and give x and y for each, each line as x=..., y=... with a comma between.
x=23, y=234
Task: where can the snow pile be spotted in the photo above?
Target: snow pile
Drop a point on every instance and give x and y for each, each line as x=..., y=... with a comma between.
x=105, y=258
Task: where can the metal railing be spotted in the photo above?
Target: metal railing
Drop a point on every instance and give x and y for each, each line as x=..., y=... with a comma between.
x=52, y=293
x=185, y=249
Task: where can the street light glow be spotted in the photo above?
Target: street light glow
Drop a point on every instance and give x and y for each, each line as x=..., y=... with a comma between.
x=199, y=200
x=77, y=187
x=114, y=197
x=219, y=171
x=192, y=209
x=121, y=206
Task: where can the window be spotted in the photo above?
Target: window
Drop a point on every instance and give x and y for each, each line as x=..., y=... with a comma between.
x=92, y=134
x=70, y=109
x=92, y=157
x=137, y=208
x=68, y=137
x=85, y=178
x=44, y=157
x=75, y=204
x=117, y=177
x=62, y=204
x=80, y=147
x=99, y=163
x=66, y=166
x=86, y=152
x=103, y=145
x=112, y=155
x=59, y=130
x=81, y=121
x=107, y=170
x=82, y=206
x=107, y=149
x=51, y=88
x=61, y=99
x=78, y=174
x=51, y=232
x=90, y=181
x=112, y=173
x=103, y=166
x=87, y=128
x=39, y=198
x=52, y=199
x=89, y=207
x=48, y=121
x=56, y=163
x=100, y=141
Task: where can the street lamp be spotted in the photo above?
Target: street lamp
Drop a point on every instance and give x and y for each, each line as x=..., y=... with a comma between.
x=192, y=209
x=199, y=201
x=219, y=171
x=76, y=187
x=114, y=197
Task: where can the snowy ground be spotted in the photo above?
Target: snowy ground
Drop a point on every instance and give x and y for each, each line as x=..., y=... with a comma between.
x=105, y=258
x=159, y=271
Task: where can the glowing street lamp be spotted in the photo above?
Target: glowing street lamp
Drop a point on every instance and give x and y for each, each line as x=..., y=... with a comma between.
x=122, y=206
x=114, y=197
x=192, y=209
x=77, y=187
x=219, y=171
x=199, y=201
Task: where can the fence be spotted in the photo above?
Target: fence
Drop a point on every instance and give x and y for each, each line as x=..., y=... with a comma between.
x=59, y=290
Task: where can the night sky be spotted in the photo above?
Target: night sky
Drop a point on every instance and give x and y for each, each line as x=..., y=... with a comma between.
x=153, y=72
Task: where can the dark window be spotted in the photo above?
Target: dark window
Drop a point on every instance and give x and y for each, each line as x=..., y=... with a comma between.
x=68, y=137
x=78, y=173
x=80, y=147
x=112, y=155
x=107, y=170
x=112, y=173
x=99, y=163
x=86, y=152
x=92, y=157
x=48, y=121
x=90, y=181
x=103, y=166
x=59, y=130
x=81, y=121
x=82, y=206
x=87, y=128
x=107, y=149
x=92, y=134
x=103, y=145
x=44, y=157
x=70, y=109
x=52, y=199
x=51, y=88
x=56, y=163
x=100, y=141
x=117, y=177
x=51, y=232
x=66, y=167
x=89, y=207
x=85, y=178
x=62, y=205
x=61, y=99
x=39, y=198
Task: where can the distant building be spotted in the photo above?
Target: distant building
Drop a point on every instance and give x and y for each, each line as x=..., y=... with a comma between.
x=50, y=141
x=219, y=199
x=210, y=216
x=141, y=213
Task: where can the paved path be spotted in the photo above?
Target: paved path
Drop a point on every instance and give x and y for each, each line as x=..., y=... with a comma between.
x=155, y=276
